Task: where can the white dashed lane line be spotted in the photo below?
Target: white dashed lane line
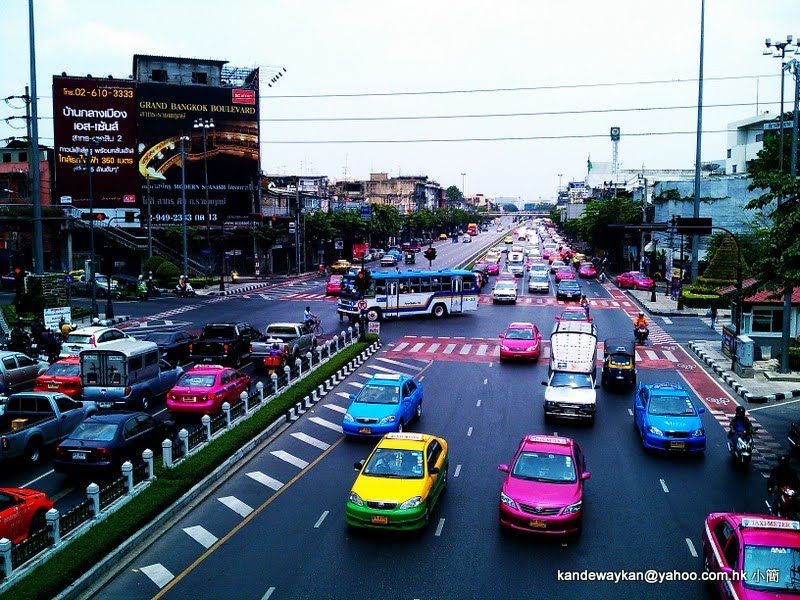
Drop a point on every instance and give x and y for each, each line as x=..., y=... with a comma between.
x=269, y=593
x=310, y=440
x=266, y=480
x=664, y=486
x=158, y=574
x=630, y=412
x=201, y=535
x=439, y=527
x=321, y=519
x=478, y=403
x=236, y=505
x=336, y=407
x=458, y=471
x=691, y=547
x=290, y=458
x=324, y=423
x=344, y=395
x=469, y=432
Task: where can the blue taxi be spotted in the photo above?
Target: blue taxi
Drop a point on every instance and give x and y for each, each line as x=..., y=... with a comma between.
x=667, y=419
x=386, y=403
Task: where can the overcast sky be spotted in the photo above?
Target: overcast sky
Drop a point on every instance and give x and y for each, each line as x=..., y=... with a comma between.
x=378, y=47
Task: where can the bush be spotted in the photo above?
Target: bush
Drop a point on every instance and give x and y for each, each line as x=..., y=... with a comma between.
x=152, y=264
x=167, y=273
x=794, y=359
x=695, y=300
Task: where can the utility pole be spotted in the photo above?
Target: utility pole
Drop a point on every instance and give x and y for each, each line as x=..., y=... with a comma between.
x=38, y=249
x=149, y=220
x=696, y=213
x=297, y=224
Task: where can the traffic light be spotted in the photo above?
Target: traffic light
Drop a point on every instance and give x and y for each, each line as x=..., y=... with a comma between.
x=98, y=216
x=361, y=281
x=292, y=227
x=19, y=279
x=130, y=216
x=430, y=254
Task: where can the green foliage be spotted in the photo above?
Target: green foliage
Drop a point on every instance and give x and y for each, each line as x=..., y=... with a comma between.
x=692, y=299
x=510, y=207
x=722, y=266
x=167, y=273
x=593, y=224
x=794, y=359
x=152, y=264
x=386, y=221
x=454, y=194
x=266, y=236
x=348, y=224
x=173, y=235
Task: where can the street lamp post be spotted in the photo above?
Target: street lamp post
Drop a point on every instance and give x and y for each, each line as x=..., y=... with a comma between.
x=558, y=192
x=463, y=186
x=92, y=285
x=184, y=139
x=779, y=50
x=206, y=124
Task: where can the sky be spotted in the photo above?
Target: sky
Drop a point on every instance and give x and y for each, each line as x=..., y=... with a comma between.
x=585, y=60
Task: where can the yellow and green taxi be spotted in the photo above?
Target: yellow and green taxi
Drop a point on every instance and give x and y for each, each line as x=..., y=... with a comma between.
x=340, y=267
x=400, y=483
x=578, y=258
x=508, y=240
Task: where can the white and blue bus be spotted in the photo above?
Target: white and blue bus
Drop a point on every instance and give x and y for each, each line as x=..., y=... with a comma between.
x=391, y=295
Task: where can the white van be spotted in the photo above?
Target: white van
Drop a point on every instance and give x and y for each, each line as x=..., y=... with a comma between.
x=516, y=264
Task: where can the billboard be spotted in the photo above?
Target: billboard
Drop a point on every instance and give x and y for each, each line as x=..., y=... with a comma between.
x=99, y=113
x=228, y=157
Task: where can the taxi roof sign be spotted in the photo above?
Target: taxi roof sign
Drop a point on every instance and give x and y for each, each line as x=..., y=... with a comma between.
x=414, y=437
x=548, y=439
x=752, y=523
x=389, y=376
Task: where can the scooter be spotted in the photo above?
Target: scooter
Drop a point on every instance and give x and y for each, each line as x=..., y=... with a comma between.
x=785, y=503
x=602, y=277
x=185, y=291
x=641, y=334
x=741, y=449
x=276, y=359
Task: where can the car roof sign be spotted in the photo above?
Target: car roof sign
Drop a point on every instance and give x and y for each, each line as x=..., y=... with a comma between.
x=389, y=376
x=752, y=523
x=548, y=439
x=414, y=437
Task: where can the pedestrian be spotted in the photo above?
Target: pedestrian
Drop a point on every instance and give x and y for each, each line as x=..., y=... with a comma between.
x=676, y=287
x=712, y=312
x=585, y=304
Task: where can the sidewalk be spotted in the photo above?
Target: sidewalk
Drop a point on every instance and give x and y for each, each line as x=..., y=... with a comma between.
x=666, y=306
x=246, y=284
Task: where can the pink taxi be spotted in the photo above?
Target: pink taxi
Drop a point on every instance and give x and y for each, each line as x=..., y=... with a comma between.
x=543, y=491
x=522, y=341
x=587, y=270
x=563, y=273
x=758, y=555
x=492, y=268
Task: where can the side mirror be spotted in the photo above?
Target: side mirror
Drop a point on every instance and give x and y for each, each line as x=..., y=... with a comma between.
x=585, y=475
x=502, y=336
x=503, y=468
x=433, y=471
x=352, y=396
x=358, y=465
x=544, y=383
x=701, y=410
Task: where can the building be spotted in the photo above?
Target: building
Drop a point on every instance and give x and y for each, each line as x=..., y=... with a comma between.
x=745, y=140
x=407, y=193
x=15, y=182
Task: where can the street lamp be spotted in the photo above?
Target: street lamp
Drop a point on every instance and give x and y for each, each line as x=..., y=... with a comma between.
x=92, y=285
x=779, y=50
x=184, y=139
x=463, y=186
x=558, y=192
x=206, y=124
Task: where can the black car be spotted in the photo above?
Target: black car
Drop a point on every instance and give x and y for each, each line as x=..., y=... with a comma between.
x=99, y=445
x=174, y=345
x=568, y=290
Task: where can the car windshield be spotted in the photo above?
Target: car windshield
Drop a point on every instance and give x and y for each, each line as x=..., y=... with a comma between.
x=393, y=462
x=539, y=278
x=197, y=380
x=519, y=334
x=569, y=284
x=543, y=466
x=335, y=279
x=63, y=370
x=79, y=338
x=640, y=276
x=586, y=265
x=620, y=360
x=219, y=331
x=671, y=405
x=573, y=315
x=101, y=432
x=505, y=285
x=771, y=568
x=379, y=394
x=159, y=338
x=571, y=380
x=281, y=330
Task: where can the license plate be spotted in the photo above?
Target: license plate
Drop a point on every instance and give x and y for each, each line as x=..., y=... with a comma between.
x=380, y=519
x=190, y=398
x=538, y=524
x=207, y=360
x=569, y=411
x=79, y=455
x=52, y=385
x=677, y=445
x=364, y=430
x=75, y=348
x=105, y=404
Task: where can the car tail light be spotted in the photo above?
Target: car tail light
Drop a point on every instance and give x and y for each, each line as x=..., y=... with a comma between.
x=127, y=391
x=286, y=348
x=212, y=396
x=4, y=443
x=251, y=347
x=170, y=396
x=103, y=453
x=190, y=347
x=92, y=342
x=225, y=348
x=61, y=451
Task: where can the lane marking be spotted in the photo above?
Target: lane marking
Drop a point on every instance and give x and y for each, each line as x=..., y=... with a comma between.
x=355, y=384
x=433, y=348
x=439, y=527
x=458, y=471
x=266, y=480
x=268, y=594
x=322, y=422
x=651, y=355
x=344, y=395
x=670, y=356
x=311, y=440
x=691, y=547
x=392, y=371
x=417, y=347
x=321, y=519
x=485, y=381
x=158, y=574
x=664, y=486
x=668, y=321
x=482, y=349
x=290, y=458
x=478, y=403
x=449, y=348
x=201, y=535
x=466, y=349
x=630, y=412
x=399, y=346
x=236, y=505
x=469, y=432
x=757, y=407
x=397, y=362
x=40, y=477
x=337, y=408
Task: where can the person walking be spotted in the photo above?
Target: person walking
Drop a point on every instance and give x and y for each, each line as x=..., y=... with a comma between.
x=712, y=312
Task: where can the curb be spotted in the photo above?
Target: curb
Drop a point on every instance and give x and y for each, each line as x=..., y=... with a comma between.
x=115, y=320
x=655, y=311
x=725, y=375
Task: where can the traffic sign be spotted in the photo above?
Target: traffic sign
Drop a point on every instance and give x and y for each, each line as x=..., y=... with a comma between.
x=362, y=305
x=366, y=212
x=338, y=245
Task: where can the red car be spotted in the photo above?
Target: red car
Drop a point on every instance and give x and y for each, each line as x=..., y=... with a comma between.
x=492, y=268
x=521, y=340
x=635, y=280
x=333, y=287
x=22, y=513
x=543, y=491
x=587, y=270
x=63, y=376
x=203, y=389
x=574, y=314
x=564, y=273
x=763, y=548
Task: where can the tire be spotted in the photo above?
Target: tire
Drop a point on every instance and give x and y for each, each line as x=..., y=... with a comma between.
x=33, y=451
x=145, y=402
x=444, y=481
x=439, y=311
x=419, y=411
x=374, y=314
x=400, y=427
x=237, y=362
x=38, y=522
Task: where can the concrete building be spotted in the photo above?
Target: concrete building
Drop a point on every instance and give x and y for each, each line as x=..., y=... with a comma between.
x=745, y=140
x=407, y=193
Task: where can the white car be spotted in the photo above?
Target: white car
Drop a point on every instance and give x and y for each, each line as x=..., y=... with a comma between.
x=388, y=260
x=538, y=282
x=467, y=239
x=90, y=337
x=504, y=291
x=537, y=268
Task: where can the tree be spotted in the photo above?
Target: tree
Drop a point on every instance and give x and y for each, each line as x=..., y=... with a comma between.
x=386, y=222
x=174, y=237
x=510, y=207
x=454, y=194
x=721, y=268
x=592, y=226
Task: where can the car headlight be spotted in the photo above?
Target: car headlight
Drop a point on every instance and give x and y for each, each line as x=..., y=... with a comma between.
x=356, y=499
x=411, y=503
x=389, y=419
x=503, y=347
x=349, y=418
x=654, y=430
x=699, y=432
x=507, y=501
x=573, y=508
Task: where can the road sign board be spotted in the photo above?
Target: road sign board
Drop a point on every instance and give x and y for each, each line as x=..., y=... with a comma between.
x=366, y=212
x=692, y=226
x=374, y=327
x=776, y=125
x=338, y=245
x=362, y=305
x=53, y=316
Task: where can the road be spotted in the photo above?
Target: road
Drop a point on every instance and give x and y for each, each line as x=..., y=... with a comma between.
x=275, y=528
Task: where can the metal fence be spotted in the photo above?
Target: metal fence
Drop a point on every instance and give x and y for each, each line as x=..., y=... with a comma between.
x=237, y=411
x=218, y=423
x=197, y=436
x=76, y=516
x=139, y=473
x=111, y=492
x=177, y=448
x=30, y=547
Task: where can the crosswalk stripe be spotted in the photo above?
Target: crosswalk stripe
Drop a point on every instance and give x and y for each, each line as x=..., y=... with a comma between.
x=466, y=349
x=158, y=574
x=670, y=356
x=638, y=357
x=545, y=352
x=323, y=423
x=290, y=458
x=310, y=440
x=651, y=355
x=400, y=346
x=449, y=348
x=266, y=480
x=355, y=384
x=482, y=349
x=392, y=371
x=343, y=395
x=397, y=362
x=496, y=351
x=433, y=348
x=337, y=408
x=416, y=347
x=236, y=505
x=201, y=535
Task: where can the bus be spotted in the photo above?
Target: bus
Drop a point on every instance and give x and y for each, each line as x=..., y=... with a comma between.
x=392, y=295
x=472, y=229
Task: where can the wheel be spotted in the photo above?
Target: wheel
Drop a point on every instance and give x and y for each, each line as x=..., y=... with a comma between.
x=33, y=451
x=38, y=522
x=318, y=330
x=419, y=410
x=145, y=401
x=439, y=311
x=400, y=427
x=237, y=362
x=374, y=314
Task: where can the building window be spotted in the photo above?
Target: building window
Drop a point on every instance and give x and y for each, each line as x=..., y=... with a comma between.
x=729, y=152
x=734, y=168
x=759, y=137
x=158, y=75
x=200, y=78
x=6, y=157
x=767, y=320
x=23, y=157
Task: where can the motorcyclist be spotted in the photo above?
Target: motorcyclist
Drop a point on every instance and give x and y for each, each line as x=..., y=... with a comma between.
x=309, y=318
x=49, y=345
x=66, y=328
x=740, y=424
x=781, y=476
x=141, y=288
x=640, y=325
x=640, y=321
x=585, y=304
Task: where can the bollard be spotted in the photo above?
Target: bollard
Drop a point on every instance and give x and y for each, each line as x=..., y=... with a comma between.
x=288, y=372
x=226, y=408
x=245, y=398
x=206, y=421
x=344, y=340
x=335, y=340
x=307, y=402
x=260, y=390
x=310, y=358
x=314, y=397
x=166, y=453
x=183, y=436
x=299, y=364
x=292, y=414
x=300, y=409
x=5, y=555
x=350, y=333
x=147, y=455
x=328, y=384
x=53, y=519
x=127, y=473
x=321, y=390
x=93, y=493
x=274, y=378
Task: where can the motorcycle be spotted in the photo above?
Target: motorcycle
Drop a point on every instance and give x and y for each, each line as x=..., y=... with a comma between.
x=785, y=502
x=185, y=291
x=602, y=277
x=641, y=334
x=276, y=359
x=741, y=449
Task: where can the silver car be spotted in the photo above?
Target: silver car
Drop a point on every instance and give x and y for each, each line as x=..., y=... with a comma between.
x=504, y=291
x=90, y=337
x=18, y=372
x=538, y=282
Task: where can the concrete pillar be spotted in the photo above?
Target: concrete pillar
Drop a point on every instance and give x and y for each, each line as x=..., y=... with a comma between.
x=147, y=455
x=127, y=473
x=226, y=408
x=183, y=436
x=93, y=493
x=53, y=518
x=166, y=453
x=206, y=421
x=246, y=401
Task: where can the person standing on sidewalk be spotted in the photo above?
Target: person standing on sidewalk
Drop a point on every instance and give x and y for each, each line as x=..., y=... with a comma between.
x=712, y=312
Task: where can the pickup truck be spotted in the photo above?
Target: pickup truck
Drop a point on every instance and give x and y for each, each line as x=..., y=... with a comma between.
x=22, y=512
x=35, y=420
x=295, y=336
x=224, y=343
